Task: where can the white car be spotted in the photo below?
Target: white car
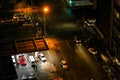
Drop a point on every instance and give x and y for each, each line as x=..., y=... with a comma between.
x=90, y=22
x=64, y=64
x=31, y=59
x=42, y=57
x=31, y=76
x=92, y=51
x=13, y=59
x=24, y=77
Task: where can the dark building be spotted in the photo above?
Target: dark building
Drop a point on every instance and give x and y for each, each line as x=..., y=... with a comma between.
x=83, y=9
x=6, y=7
x=108, y=22
x=7, y=70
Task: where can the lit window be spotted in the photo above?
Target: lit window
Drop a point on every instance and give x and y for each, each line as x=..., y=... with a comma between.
x=117, y=15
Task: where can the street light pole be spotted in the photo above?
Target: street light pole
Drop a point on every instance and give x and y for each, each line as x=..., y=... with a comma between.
x=45, y=10
x=44, y=25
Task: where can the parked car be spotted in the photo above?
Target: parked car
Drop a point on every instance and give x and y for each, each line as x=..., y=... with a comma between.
x=27, y=24
x=24, y=77
x=32, y=76
x=13, y=59
x=64, y=64
x=36, y=56
x=22, y=60
x=19, y=17
x=106, y=68
x=5, y=21
x=31, y=59
x=42, y=57
x=92, y=51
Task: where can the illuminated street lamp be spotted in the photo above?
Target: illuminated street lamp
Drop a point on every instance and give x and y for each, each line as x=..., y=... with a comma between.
x=45, y=10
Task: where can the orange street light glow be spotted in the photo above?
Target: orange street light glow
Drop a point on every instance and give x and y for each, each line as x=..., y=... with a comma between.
x=45, y=9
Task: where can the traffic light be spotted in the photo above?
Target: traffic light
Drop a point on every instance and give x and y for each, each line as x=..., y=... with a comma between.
x=70, y=2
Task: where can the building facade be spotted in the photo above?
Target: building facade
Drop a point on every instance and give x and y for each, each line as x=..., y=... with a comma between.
x=108, y=22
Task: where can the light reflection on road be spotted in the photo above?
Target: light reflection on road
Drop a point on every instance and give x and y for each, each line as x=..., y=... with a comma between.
x=83, y=53
x=48, y=67
x=84, y=56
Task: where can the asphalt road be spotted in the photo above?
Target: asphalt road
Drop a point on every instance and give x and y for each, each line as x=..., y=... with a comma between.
x=83, y=65
x=63, y=25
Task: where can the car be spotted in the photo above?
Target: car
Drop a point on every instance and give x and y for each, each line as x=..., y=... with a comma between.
x=19, y=17
x=90, y=22
x=23, y=63
x=77, y=39
x=64, y=64
x=42, y=57
x=24, y=77
x=13, y=59
x=32, y=76
x=18, y=14
x=104, y=58
x=22, y=57
x=116, y=61
x=31, y=59
x=22, y=19
x=22, y=60
x=5, y=21
x=36, y=57
x=92, y=51
x=27, y=24
x=106, y=68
